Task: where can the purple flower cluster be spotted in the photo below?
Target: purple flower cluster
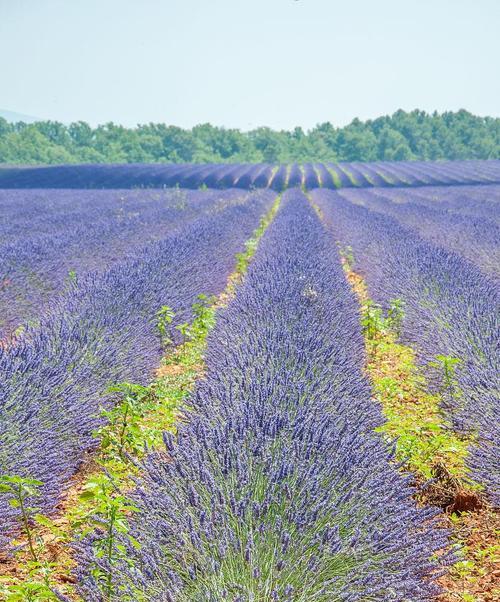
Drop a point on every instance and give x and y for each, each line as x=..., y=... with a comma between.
x=101, y=331
x=401, y=173
x=51, y=237
x=451, y=309
x=310, y=176
x=277, y=487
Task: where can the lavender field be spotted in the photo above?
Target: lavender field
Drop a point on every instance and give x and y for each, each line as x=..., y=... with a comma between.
x=276, y=177
x=194, y=397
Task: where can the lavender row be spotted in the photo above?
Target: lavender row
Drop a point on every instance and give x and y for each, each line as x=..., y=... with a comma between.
x=451, y=308
x=477, y=239
x=409, y=173
x=474, y=201
x=277, y=487
x=103, y=331
x=57, y=237
x=30, y=214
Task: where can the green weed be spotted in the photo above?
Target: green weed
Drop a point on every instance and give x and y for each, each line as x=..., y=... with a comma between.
x=122, y=430
x=448, y=365
x=22, y=492
x=109, y=514
x=164, y=317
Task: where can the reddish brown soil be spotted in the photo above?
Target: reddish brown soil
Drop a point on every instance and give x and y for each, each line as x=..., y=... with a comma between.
x=479, y=532
x=56, y=548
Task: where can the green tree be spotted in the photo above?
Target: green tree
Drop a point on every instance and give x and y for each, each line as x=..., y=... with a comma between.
x=393, y=146
x=401, y=136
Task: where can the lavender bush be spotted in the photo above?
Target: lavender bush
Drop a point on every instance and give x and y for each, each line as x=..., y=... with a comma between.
x=276, y=487
x=474, y=201
x=103, y=331
x=475, y=238
x=51, y=238
x=451, y=309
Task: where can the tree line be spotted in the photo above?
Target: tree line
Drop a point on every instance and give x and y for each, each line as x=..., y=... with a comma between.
x=414, y=135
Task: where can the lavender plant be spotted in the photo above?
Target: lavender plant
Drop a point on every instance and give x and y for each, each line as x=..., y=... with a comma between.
x=474, y=237
x=451, y=310
x=50, y=240
x=276, y=486
x=104, y=331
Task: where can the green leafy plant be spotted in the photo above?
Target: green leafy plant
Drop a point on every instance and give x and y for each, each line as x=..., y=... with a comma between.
x=29, y=591
x=164, y=317
x=241, y=262
x=21, y=491
x=395, y=315
x=19, y=331
x=185, y=330
x=109, y=513
x=203, y=316
x=374, y=323
x=203, y=319
x=36, y=587
x=372, y=320
x=347, y=256
x=122, y=431
x=448, y=366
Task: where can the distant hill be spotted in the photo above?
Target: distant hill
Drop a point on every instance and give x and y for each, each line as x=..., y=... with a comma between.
x=13, y=117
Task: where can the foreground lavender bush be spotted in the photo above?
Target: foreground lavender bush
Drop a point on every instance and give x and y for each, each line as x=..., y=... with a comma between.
x=451, y=309
x=277, y=488
x=103, y=331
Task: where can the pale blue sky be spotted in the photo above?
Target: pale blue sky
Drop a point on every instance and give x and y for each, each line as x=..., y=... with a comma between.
x=244, y=63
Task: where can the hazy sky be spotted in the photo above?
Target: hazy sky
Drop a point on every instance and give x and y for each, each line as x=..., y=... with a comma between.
x=244, y=63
